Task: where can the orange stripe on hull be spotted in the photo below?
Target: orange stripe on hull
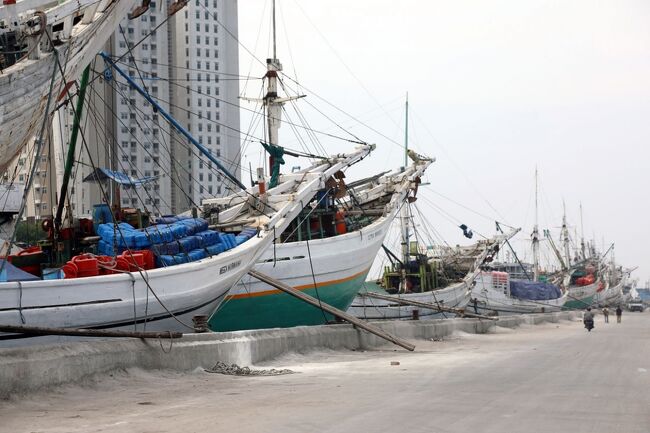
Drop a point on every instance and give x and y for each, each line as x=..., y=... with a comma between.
x=303, y=287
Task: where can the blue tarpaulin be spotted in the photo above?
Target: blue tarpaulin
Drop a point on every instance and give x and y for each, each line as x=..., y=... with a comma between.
x=102, y=174
x=534, y=290
x=12, y=273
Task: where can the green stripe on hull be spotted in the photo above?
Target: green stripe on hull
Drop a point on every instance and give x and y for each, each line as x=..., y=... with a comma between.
x=578, y=304
x=280, y=310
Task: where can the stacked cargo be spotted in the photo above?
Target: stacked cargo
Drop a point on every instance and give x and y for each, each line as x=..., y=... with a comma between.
x=173, y=240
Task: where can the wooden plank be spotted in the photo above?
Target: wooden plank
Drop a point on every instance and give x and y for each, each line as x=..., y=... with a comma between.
x=76, y=332
x=331, y=310
x=426, y=305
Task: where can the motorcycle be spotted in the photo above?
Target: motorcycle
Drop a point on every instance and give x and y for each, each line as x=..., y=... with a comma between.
x=589, y=324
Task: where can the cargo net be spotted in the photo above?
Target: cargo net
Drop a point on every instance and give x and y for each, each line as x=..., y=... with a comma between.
x=235, y=370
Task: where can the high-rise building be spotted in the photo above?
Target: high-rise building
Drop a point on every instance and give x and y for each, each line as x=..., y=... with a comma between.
x=204, y=91
x=183, y=65
x=141, y=136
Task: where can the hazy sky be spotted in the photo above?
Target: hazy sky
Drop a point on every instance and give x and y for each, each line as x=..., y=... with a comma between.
x=496, y=88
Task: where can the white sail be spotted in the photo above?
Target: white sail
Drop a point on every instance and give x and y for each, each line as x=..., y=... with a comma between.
x=25, y=85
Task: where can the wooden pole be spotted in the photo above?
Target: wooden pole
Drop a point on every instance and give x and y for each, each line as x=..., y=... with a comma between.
x=426, y=305
x=76, y=332
x=331, y=310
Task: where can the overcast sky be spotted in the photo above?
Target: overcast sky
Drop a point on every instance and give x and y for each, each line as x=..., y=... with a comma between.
x=496, y=89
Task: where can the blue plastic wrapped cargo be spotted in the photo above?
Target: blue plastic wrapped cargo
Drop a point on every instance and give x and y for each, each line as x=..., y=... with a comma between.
x=165, y=233
x=228, y=239
x=124, y=234
x=188, y=244
x=209, y=237
x=170, y=260
x=141, y=240
x=198, y=241
x=250, y=231
x=167, y=248
x=194, y=225
x=240, y=239
x=167, y=219
x=216, y=249
x=195, y=255
x=534, y=290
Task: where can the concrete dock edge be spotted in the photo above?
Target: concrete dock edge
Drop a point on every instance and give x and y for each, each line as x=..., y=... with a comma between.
x=28, y=369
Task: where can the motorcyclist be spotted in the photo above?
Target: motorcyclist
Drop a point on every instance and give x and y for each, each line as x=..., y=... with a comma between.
x=588, y=319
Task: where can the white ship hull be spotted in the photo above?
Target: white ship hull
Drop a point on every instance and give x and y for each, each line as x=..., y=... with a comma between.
x=124, y=301
x=156, y=297
x=610, y=296
x=454, y=296
x=332, y=269
x=492, y=299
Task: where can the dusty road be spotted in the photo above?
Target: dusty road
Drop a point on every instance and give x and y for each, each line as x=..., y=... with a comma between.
x=546, y=378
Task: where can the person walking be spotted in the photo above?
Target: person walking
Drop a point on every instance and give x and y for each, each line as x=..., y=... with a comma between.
x=606, y=314
x=619, y=313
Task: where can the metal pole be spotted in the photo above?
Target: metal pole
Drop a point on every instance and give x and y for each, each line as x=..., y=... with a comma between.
x=69, y=161
x=426, y=305
x=77, y=332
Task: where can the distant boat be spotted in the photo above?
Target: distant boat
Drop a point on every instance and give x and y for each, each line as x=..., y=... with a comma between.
x=422, y=284
x=584, y=283
x=496, y=293
x=508, y=288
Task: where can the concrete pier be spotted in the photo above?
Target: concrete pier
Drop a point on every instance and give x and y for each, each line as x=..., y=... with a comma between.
x=514, y=377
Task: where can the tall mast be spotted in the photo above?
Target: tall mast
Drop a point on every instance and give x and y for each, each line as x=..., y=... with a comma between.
x=406, y=131
x=273, y=103
x=582, y=235
x=271, y=100
x=274, y=50
x=565, y=236
x=535, y=237
x=404, y=212
x=69, y=162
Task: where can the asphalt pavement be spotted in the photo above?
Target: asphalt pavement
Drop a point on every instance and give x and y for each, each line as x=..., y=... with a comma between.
x=545, y=378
